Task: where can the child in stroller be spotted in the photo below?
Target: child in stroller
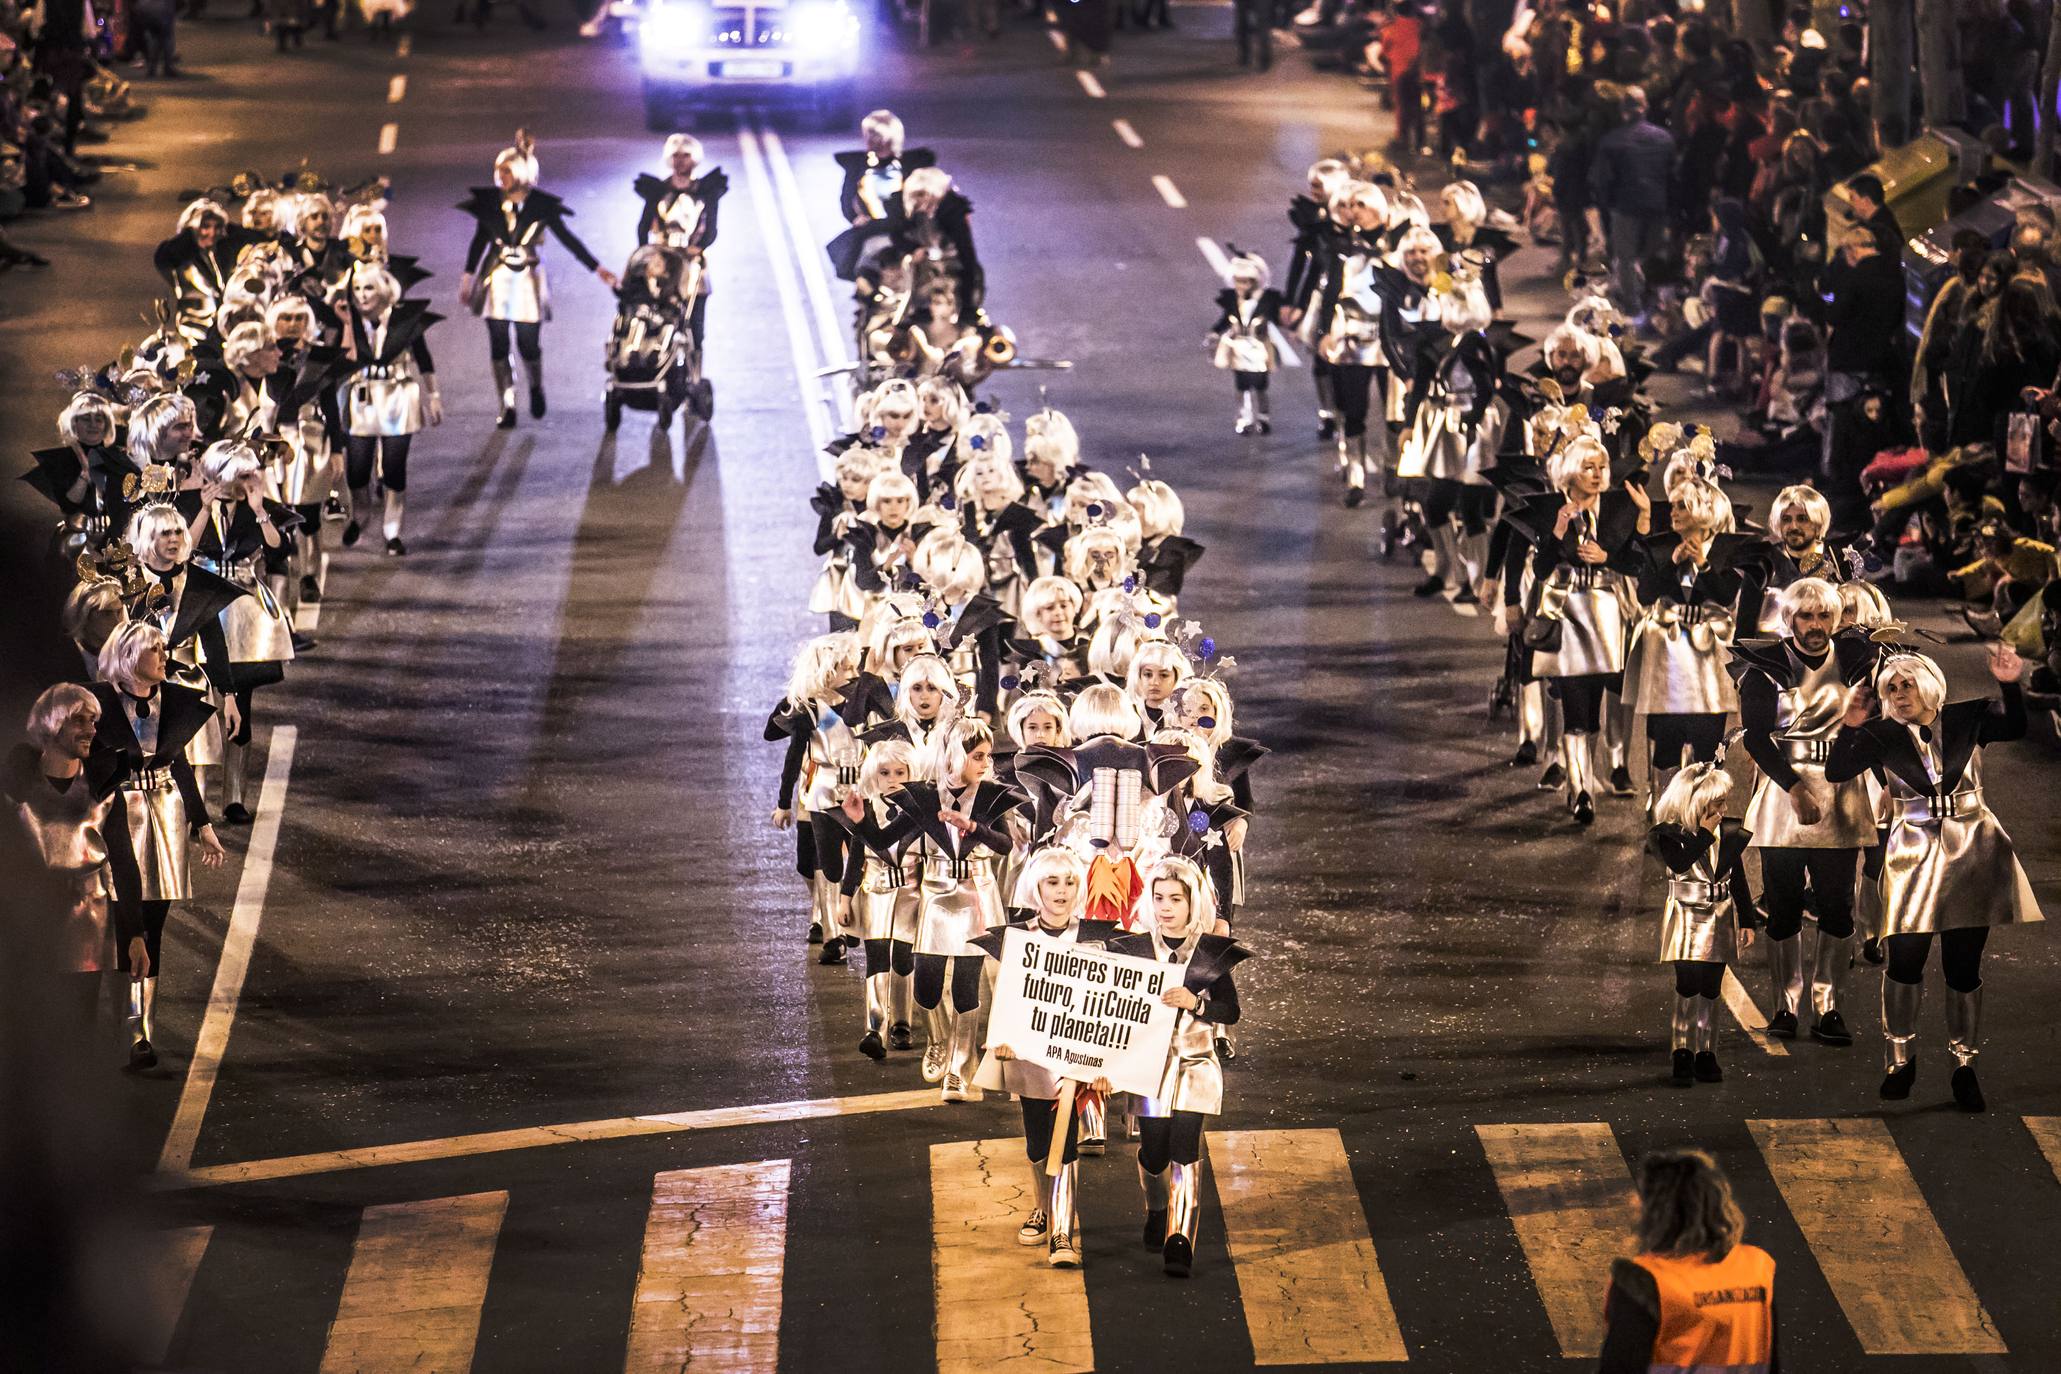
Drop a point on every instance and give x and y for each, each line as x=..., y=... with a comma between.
x=653, y=362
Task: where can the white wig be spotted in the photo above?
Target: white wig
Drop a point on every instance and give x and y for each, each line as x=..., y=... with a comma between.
x=1809, y=594
x=1805, y=498
x=1045, y=863
x=935, y=671
x=884, y=126
x=885, y=486
x=966, y=485
x=1701, y=503
x=1921, y=671
x=1404, y=207
x=198, y=210
x=1028, y=705
x=682, y=143
x=927, y=181
x=82, y=405
x=151, y=421
x=1463, y=203
x=1049, y=437
x=1570, y=336
x=130, y=641
x=1044, y=592
x=54, y=708
x=383, y=283
x=1863, y=604
x=1690, y=795
x=950, y=566
x=1202, y=894
x=520, y=160
x=1465, y=309
x=1564, y=466
x=878, y=758
x=1253, y=268
x=229, y=460
x=946, y=396
x=966, y=734
x=1104, y=709
x=1211, y=700
x=1158, y=653
x=819, y=664
x=1159, y=508
x=985, y=435
x=245, y=342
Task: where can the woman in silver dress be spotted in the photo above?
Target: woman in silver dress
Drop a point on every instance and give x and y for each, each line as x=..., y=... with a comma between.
x=1192, y=1085
x=1710, y=913
x=388, y=396
x=145, y=725
x=504, y=280
x=1948, y=866
x=878, y=898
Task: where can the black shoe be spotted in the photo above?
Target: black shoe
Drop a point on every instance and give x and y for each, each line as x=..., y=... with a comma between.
x=1226, y=1051
x=1327, y=428
x=236, y=813
x=1430, y=586
x=1782, y=1025
x=303, y=643
x=1178, y=1257
x=833, y=952
x=815, y=932
x=870, y=1046
x=141, y=1055
x=1466, y=597
x=396, y=549
x=1871, y=950
x=1896, y=1084
x=351, y=533
x=1968, y=1092
x=1707, y=1070
x=1266, y=426
x=1684, y=1074
x=1155, y=1230
x=507, y=420
x=1830, y=1029
x=1527, y=754
x=1552, y=778
x=1584, y=810
x=898, y=1037
x=1620, y=782
x=311, y=590
x=1354, y=496
x=536, y=403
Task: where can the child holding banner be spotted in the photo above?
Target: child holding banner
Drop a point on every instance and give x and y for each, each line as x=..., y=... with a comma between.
x=1192, y=1085
x=1054, y=888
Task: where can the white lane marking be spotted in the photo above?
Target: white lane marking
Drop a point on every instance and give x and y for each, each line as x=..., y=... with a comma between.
x=831, y=334
x=1090, y=84
x=1220, y=263
x=1169, y=192
x=389, y=138
x=396, y=89
x=1748, y=1015
x=405, y=46
x=1125, y=132
x=1057, y=41
x=798, y=339
x=237, y=946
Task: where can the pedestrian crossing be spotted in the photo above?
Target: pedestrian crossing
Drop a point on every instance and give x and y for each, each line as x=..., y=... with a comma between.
x=708, y=1290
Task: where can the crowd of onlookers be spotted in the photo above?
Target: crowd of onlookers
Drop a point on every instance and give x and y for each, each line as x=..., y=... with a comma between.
x=1668, y=156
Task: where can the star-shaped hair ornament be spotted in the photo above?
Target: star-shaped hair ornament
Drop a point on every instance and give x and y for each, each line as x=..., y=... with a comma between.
x=1896, y=637
x=1142, y=472
x=1856, y=563
x=1039, y=677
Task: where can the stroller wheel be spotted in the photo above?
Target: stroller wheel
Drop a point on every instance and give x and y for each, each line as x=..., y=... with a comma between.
x=701, y=400
x=612, y=409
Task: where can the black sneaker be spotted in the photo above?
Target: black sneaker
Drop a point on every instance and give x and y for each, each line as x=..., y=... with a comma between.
x=536, y=403
x=351, y=533
x=1782, y=1025
x=1584, y=810
x=1354, y=497
x=141, y=1055
x=1527, y=754
x=1552, y=778
x=1327, y=428
x=1466, y=597
x=1621, y=782
x=302, y=643
x=1155, y=1230
x=507, y=420
x=1684, y=1074
x=1177, y=1258
x=396, y=549
x=1430, y=586
x=311, y=590
x=1871, y=950
x=815, y=932
x=1707, y=1070
x=236, y=813
x=1896, y=1084
x=1830, y=1029
x=899, y=1038
x=870, y=1046
x=1968, y=1092
x=833, y=952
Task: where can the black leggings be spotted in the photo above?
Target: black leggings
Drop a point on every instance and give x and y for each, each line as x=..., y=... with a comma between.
x=1164, y=1140
x=242, y=735
x=1039, y=1115
x=1822, y=879
x=1960, y=957
x=830, y=840
x=1448, y=497
x=890, y=956
x=1669, y=735
x=1250, y=381
x=1581, y=701
x=1699, y=978
x=930, y=981
x=392, y=454
x=1352, y=387
x=151, y=924
x=529, y=341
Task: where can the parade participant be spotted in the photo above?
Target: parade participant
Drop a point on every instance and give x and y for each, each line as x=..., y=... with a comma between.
x=1038, y=718
x=1208, y=828
x=1309, y=261
x=679, y=216
x=928, y=701
x=1799, y=520
x=162, y=432
x=1051, y=454
x=1576, y=621
x=1349, y=333
x=821, y=765
x=1203, y=704
x=321, y=258
x=934, y=447
x=1192, y=1085
x=1453, y=419
x=1675, y=669
x=1052, y=887
x=1467, y=230
x=838, y=506
x=1053, y=642
x=1242, y=342
x=388, y=395
x=67, y=818
x=196, y=262
x=884, y=538
x=1155, y=673
x=93, y=610
x=1809, y=830
x=504, y=278
x=1710, y=914
x=1949, y=868
x=873, y=175
x=877, y=898
x=1696, y=1296
x=307, y=462
x=239, y=531
x=1164, y=553
x=188, y=611
x=84, y=476
x=926, y=232
x=992, y=517
x=146, y=723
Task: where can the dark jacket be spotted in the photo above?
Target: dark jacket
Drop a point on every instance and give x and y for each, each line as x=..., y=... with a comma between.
x=1865, y=317
x=1633, y=167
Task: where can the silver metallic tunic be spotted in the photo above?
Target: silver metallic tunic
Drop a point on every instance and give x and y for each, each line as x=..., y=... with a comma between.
x=1193, y=1080
x=961, y=894
x=1807, y=719
x=69, y=831
x=1700, y=922
x=1593, y=602
x=1676, y=665
x=1949, y=864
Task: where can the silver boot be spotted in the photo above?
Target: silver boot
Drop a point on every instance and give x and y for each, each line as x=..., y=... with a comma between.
x=1900, y=1004
x=1183, y=1217
x=1617, y=737
x=1682, y=1039
x=504, y=384
x=1964, y=1042
x=1580, y=783
x=1785, y=985
x=1707, y=1070
x=235, y=771
x=1355, y=450
x=878, y=994
x=1248, y=418
x=1828, y=975
x=1063, y=1248
x=937, y=1027
x=962, y=1058
x=1153, y=1186
x=1094, y=1110
x=1327, y=403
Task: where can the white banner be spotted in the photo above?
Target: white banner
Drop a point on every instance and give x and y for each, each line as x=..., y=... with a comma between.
x=1083, y=1014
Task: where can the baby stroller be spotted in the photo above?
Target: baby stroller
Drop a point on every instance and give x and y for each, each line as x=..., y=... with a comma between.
x=653, y=363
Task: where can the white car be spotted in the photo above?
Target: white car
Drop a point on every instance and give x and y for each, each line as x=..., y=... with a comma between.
x=768, y=52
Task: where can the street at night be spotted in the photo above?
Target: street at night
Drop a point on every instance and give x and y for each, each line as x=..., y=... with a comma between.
x=499, y=1043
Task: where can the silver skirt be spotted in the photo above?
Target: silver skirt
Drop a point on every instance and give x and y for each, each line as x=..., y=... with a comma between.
x=1849, y=821
x=953, y=911
x=1700, y=931
x=1676, y=664
x=1953, y=872
x=384, y=401
x=886, y=913
x=255, y=626
x=1593, y=604
x=156, y=816
x=517, y=292
x=1193, y=1080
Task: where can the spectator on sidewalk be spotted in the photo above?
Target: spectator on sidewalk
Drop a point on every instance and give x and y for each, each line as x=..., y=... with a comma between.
x=1865, y=194
x=1633, y=168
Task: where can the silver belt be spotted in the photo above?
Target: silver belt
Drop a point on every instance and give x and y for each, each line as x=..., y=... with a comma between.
x=151, y=779
x=1949, y=806
x=847, y=775
x=1693, y=891
x=236, y=569
x=1806, y=750
x=960, y=869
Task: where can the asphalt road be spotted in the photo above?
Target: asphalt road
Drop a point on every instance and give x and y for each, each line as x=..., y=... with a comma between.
x=523, y=876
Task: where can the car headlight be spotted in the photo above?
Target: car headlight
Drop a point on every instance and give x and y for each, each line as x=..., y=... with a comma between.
x=822, y=27
x=672, y=31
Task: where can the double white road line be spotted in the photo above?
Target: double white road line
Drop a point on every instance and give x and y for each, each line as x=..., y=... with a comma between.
x=819, y=339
